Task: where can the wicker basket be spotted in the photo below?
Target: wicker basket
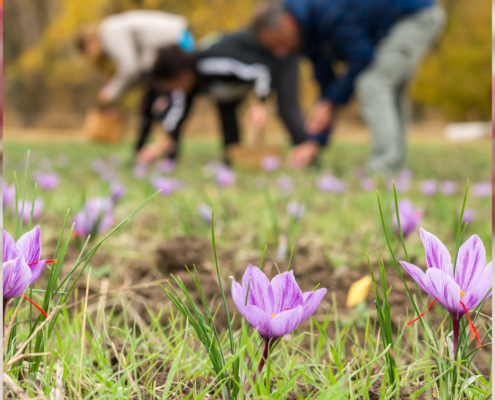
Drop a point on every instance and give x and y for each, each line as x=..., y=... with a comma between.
x=103, y=126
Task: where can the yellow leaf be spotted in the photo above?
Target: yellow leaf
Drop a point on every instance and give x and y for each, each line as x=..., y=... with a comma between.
x=358, y=291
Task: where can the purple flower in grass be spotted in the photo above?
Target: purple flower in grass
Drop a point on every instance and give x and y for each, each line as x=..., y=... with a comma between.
x=225, y=177
x=468, y=216
x=165, y=166
x=329, y=183
x=409, y=218
x=459, y=292
x=406, y=174
x=140, y=171
x=275, y=308
x=46, y=180
x=285, y=184
x=205, y=213
x=166, y=185
x=95, y=218
x=117, y=190
x=402, y=185
x=448, y=187
x=428, y=187
x=295, y=209
x=37, y=209
x=482, y=189
x=270, y=163
x=8, y=194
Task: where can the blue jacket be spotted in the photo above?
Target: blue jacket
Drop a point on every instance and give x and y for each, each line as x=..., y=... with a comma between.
x=347, y=31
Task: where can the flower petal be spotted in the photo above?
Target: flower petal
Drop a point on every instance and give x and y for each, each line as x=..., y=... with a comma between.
x=16, y=278
x=260, y=293
x=419, y=276
x=9, y=252
x=446, y=291
x=437, y=255
x=238, y=295
x=311, y=302
x=477, y=292
x=36, y=270
x=285, y=322
x=258, y=319
x=286, y=292
x=29, y=245
x=470, y=263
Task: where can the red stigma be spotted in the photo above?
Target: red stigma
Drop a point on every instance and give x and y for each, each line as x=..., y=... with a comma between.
x=471, y=326
x=47, y=261
x=423, y=313
x=37, y=306
x=287, y=309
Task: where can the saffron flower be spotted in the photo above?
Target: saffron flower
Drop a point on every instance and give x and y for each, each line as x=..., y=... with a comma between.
x=295, y=209
x=8, y=194
x=275, y=308
x=46, y=180
x=166, y=185
x=95, y=217
x=482, y=189
x=448, y=187
x=225, y=177
x=117, y=190
x=329, y=183
x=37, y=209
x=428, y=187
x=459, y=292
x=368, y=184
x=205, y=213
x=270, y=163
x=402, y=185
x=409, y=218
x=468, y=216
x=140, y=171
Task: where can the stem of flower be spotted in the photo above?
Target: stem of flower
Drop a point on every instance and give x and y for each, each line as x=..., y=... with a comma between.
x=455, y=326
x=264, y=358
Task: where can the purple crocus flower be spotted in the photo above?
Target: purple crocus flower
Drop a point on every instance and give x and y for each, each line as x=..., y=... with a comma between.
x=166, y=185
x=118, y=190
x=458, y=293
x=448, y=187
x=368, y=184
x=295, y=209
x=96, y=217
x=205, y=213
x=275, y=308
x=165, y=166
x=409, y=218
x=329, y=183
x=428, y=187
x=140, y=171
x=270, y=163
x=482, y=189
x=406, y=174
x=402, y=185
x=8, y=194
x=468, y=216
x=46, y=180
x=225, y=177
x=285, y=184
x=37, y=209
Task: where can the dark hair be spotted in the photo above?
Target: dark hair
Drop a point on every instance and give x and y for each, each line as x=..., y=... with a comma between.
x=171, y=61
x=83, y=35
x=268, y=15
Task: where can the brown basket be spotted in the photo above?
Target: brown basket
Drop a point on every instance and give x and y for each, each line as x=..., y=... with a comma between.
x=103, y=126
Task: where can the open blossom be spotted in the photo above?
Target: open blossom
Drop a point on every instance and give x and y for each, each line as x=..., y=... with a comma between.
x=409, y=218
x=117, y=190
x=448, y=187
x=275, y=308
x=95, y=217
x=37, y=209
x=270, y=163
x=329, y=183
x=458, y=293
x=428, y=187
x=482, y=189
x=8, y=194
x=225, y=177
x=167, y=185
x=46, y=180
x=295, y=209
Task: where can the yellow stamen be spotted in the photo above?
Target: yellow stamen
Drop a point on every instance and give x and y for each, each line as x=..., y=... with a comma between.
x=462, y=294
x=273, y=315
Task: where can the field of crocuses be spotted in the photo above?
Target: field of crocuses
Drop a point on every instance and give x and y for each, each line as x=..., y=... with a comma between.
x=299, y=284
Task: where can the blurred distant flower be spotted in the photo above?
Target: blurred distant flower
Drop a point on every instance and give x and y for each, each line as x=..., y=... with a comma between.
x=140, y=171
x=166, y=185
x=482, y=189
x=165, y=166
x=409, y=218
x=402, y=185
x=118, y=190
x=205, y=213
x=286, y=184
x=359, y=173
x=225, y=177
x=211, y=168
x=37, y=209
x=428, y=187
x=46, y=180
x=259, y=182
x=295, y=209
x=368, y=184
x=270, y=163
x=8, y=194
x=406, y=174
x=329, y=183
x=468, y=216
x=99, y=166
x=448, y=187
x=95, y=218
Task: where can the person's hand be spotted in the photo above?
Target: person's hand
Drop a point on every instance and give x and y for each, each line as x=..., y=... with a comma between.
x=257, y=115
x=303, y=154
x=152, y=151
x=320, y=117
